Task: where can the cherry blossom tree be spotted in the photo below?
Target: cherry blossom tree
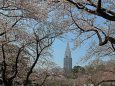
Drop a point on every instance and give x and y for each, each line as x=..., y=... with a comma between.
x=24, y=24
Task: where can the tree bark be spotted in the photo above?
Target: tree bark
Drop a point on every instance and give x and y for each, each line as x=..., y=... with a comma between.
x=8, y=83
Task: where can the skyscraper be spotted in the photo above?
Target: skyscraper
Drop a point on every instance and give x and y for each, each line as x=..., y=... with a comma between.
x=67, y=61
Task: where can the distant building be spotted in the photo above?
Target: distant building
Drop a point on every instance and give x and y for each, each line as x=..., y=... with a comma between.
x=67, y=61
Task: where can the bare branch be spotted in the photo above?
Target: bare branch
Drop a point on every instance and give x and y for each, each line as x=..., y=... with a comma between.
x=99, y=6
x=105, y=13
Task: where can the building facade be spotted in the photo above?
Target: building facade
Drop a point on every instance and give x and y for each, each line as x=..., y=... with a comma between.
x=68, y=61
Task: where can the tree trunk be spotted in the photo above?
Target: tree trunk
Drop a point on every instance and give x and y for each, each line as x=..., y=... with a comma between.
x=8, y=83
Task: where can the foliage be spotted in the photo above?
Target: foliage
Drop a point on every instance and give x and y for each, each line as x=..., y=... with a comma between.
x=92, y=21
x=23, y=25
x=77, y=69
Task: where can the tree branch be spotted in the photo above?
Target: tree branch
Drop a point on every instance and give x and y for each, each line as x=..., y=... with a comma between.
x=44, y=80
x=16, y=64
x=96, y=31
x=37, y=57
x=4, y=64
x=104, y=81
x=102, y=12
x=99, y=6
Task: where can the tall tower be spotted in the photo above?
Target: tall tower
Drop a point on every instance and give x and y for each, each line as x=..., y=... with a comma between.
x=67, y=61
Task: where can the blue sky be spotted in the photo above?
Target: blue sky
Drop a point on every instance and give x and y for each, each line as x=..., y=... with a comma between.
x=59, y=47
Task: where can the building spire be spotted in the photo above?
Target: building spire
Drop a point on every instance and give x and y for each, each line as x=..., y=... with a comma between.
x=68, y=51
x=68, y=61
